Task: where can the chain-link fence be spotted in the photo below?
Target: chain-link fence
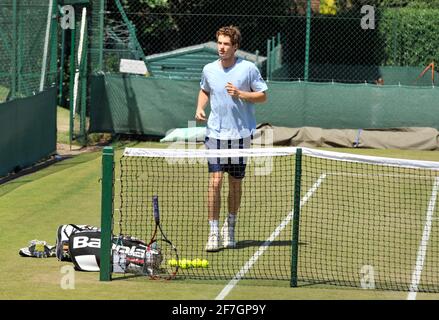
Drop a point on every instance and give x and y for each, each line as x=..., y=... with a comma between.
x=341, y=41
x=28, y=69
x=28, y=47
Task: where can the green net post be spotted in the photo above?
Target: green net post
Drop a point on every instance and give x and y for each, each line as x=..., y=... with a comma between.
x=296, y=219
x=53, y=44
x=101, y=34
x=61, y=69
x=268, y=60
x=395, y=26
x=83, y=124
x=20, y=51
x=278, y=52
x=14, y=49
x=308, y=39
x=273, y=56
x=72, y=77
x=106, y=212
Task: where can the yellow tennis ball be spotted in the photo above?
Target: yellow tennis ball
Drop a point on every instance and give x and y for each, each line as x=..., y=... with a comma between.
x=204, y=263
x=183, y=263
x=172, y=262
x=196, y=263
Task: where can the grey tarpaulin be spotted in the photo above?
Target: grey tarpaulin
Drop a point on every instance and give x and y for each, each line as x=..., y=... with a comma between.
x=416, y=138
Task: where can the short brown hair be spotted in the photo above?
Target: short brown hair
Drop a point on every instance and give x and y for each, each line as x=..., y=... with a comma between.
x=231, y=31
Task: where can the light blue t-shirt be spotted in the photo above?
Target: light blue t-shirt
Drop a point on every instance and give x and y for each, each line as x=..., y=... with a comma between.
x=230, y=117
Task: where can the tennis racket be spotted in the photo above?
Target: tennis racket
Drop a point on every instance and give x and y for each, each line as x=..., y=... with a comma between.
x=161, y=256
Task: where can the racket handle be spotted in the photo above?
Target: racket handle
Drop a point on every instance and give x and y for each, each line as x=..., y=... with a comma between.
x=155, y=209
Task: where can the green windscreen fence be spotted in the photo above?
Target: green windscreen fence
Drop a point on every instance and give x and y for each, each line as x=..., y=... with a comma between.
x=28, y=72
x=27, y=130
x=135, y=104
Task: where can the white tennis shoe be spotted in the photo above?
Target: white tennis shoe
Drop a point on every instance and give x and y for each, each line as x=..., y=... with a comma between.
x=213, y=242
x=228, y=234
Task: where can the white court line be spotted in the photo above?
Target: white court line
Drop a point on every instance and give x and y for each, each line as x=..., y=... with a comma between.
x=229, y=287
x=388, y=175
x=422, y=250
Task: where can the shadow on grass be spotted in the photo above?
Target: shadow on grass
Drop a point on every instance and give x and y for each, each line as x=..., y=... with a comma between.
x=52, y=165
x=257, y=243
x=145, y=277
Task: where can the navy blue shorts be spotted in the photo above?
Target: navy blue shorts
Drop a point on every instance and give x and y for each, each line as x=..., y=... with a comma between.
x=234, y=166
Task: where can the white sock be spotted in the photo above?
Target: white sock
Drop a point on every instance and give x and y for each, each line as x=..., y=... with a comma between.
x=213, y=226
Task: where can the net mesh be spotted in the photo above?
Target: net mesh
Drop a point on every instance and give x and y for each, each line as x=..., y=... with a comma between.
x=369, y=226
x=364, y=222
x=182, y=186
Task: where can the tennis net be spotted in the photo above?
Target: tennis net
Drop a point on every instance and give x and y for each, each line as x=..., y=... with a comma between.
x=305, y=216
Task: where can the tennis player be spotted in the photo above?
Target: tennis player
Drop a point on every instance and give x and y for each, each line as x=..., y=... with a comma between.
x=233, y=85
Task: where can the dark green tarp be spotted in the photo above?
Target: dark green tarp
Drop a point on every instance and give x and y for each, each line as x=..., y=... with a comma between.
x=27, y=130
x=135, y=104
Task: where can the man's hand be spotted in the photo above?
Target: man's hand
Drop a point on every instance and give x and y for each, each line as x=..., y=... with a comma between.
x=200, y=115
x=203, y=98
x=232, y=90
x=253, y=97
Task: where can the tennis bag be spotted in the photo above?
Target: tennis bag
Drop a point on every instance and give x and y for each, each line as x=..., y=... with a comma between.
x=84, y=249
x=130, y=255
x=63, y=235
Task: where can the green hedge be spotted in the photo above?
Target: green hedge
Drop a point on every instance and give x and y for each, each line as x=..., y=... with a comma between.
x=410, y=35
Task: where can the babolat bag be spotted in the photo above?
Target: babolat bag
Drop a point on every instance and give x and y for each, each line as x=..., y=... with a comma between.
x=84, y=249
x=129, y=255
x=63, y=235
x=132, y=255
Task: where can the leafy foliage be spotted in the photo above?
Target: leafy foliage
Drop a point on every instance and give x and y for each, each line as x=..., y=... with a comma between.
x=411, y=36
x=404, y=33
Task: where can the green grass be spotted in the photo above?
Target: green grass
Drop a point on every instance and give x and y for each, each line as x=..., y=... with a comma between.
x=3, y=93
x=366, y=217
x=63, y=125
x=63, y=128
x=33, y=206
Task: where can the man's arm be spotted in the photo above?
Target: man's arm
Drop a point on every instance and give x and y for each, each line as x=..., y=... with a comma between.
x=253, y=97
x=203, y=98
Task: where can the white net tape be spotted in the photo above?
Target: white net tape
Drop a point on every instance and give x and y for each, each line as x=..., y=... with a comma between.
x=275, y=152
